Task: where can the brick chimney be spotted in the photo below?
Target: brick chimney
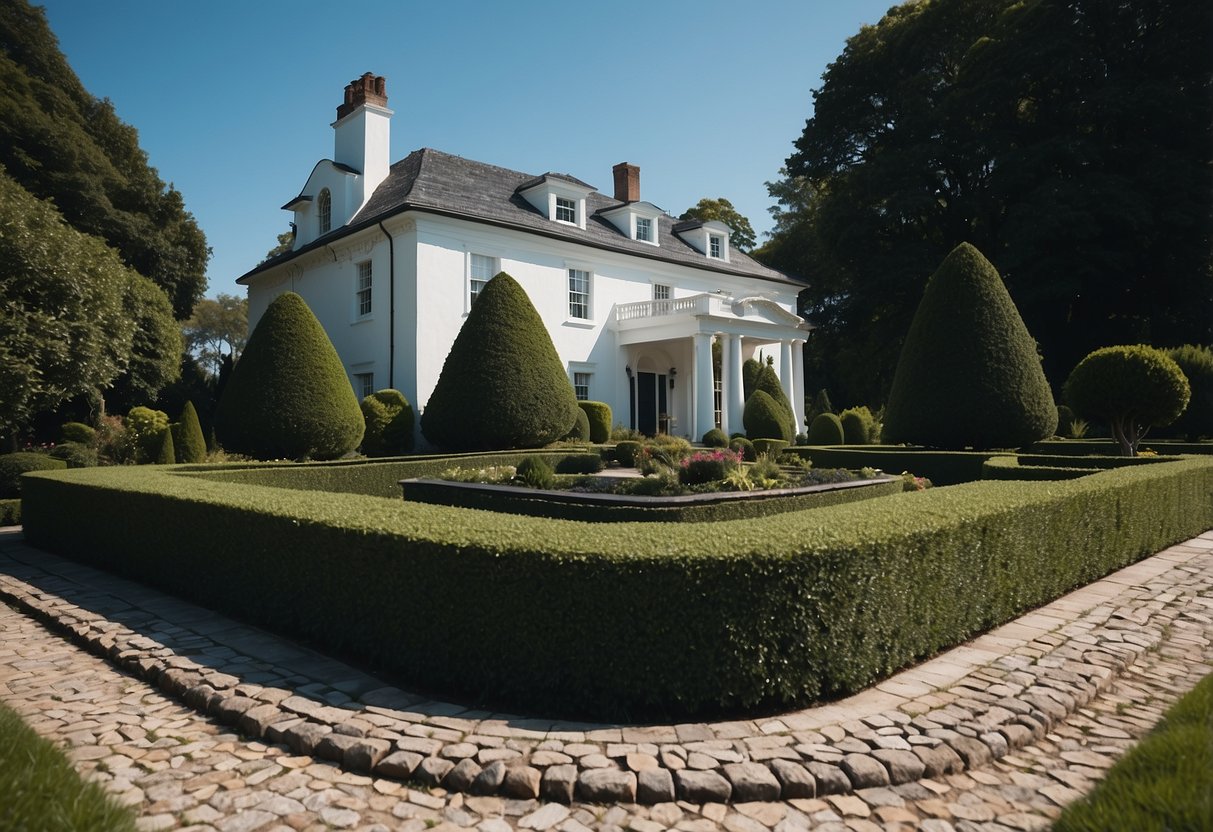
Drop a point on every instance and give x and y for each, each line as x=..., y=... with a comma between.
x=369, y=89
x=627, y=182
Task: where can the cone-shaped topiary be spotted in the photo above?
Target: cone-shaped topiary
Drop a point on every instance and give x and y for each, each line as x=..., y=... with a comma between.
x=1129, y=388
x=502, y=385
x=750, y=368
x=288, y=396
x=968, y=373
x=826, y=429
x=187, y=436
x=763, y=418
x=389, y=424
x=1197, y=364
x=167, y=454
x=768, y=382
x=599, y=416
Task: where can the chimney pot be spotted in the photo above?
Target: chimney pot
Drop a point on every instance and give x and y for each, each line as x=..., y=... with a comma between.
x=627, y=182
x=369, y=89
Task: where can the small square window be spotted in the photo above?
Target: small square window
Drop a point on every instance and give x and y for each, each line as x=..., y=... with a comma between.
x=579, y=294
x=581, y=386
x=661, y=291
x=364, y=289
x=644, y=229
x=715, y=246
x=481, y=271
x=566, y=210
x=364, y=384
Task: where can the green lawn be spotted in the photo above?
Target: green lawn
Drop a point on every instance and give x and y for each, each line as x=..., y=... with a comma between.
x=1164, y=783
x=41, y=792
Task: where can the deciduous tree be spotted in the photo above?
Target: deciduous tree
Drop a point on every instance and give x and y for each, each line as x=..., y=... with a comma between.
x=741, y=233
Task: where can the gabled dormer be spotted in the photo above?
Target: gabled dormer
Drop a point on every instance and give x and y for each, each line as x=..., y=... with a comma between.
x=636, y=220
x=339, y=187
x=557, y=196
x=710, y=238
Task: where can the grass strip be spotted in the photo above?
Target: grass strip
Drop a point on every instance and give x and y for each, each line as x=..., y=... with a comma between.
x=39, y=789
x=1163, y=783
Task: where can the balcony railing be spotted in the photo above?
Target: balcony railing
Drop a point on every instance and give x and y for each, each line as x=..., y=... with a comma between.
x=691, y=305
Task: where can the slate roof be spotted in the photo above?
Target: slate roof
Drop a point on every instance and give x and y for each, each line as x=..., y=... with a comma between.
x=439, y=183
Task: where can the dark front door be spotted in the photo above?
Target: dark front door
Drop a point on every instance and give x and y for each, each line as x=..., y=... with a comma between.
x=646, y=403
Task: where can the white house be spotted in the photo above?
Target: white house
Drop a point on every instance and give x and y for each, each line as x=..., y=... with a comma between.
x=390, y=257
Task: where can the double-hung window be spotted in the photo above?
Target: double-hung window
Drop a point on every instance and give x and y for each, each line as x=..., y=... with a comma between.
x=581, y=386
x=644, y=229
x=579, y=294
x=363, y=293
x=364, y=384
x=715, y=246
x=566, y=210
x=480, y=271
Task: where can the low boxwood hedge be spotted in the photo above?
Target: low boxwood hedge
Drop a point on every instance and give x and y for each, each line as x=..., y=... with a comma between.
x=1058, y=466
x=622, y=619
x=1108, y=447
x=940, y=467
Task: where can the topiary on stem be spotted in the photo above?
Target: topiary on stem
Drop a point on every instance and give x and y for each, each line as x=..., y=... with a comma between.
x=968, y=375
x=1130, y=388
x=288, y=396
x=502, y=385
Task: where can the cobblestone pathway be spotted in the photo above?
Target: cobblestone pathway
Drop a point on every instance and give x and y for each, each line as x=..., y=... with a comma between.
x=184, y=769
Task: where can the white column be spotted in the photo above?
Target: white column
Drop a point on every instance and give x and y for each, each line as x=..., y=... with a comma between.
x=798, y=385
x=726, y=344
x=734, y=391
x=704, y=410
x=785, y=372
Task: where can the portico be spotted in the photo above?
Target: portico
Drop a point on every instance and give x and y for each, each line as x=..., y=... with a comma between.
x=668, y=348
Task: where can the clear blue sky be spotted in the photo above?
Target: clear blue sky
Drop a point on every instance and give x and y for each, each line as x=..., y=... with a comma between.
x=233, y=100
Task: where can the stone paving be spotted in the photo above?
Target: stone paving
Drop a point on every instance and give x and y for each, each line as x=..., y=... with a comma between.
x=996, y=734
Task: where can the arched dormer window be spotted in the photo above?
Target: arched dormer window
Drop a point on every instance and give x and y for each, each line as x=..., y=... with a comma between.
x=324, y=211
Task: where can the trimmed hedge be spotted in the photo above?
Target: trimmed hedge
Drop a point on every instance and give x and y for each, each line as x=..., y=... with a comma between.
x=1107, y=447
x=12, y=466
x=607, y=619
x=10, y=512
x=1010, y=468
x=599, y=416
x=940, y=467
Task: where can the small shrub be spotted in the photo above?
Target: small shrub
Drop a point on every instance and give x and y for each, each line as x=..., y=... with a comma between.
x=580, y=432
x=820, y=404
x=112, y=445
x=826, y=429
x=653, y=459
x=1079, y=428
x=620, y=434
x=769, y=447
x=536, y=472
x=166, y=454
x=599, y=415
x=765, y=472
x=663, y=483
x=78, y=432
x=745, y=447
x=580, y=464
x=188, y=440
x=673, y=444
x=913, y=483
x=801, y=439
x=707, y=466
x=715, y=438
x=144, y=430
x=1065, y=420
x=12, y=466
x=75, y=454
x=763, y=418
x=10, y=512
x=389, y=423
x=858, y=425
x=626, y=451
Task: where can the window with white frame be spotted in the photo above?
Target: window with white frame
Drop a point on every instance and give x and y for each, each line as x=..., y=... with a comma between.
x=363, y=292
x=715, y=246
x=581, y=386
x=644, y=229
x=364, y=384
x=480, y=271
x=324, y=212
x=566, y=210
x=661, y=291
x=579, y=294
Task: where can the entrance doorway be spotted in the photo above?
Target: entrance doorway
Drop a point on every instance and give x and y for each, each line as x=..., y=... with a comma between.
x=651, y=403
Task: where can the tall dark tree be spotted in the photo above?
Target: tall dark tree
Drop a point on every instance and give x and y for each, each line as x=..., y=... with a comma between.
x=1070, y=140
x=61, y=143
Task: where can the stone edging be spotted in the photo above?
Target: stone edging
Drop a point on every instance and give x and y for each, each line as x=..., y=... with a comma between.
x=993, y=710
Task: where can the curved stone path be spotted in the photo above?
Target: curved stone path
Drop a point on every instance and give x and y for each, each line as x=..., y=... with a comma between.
x=995, y=734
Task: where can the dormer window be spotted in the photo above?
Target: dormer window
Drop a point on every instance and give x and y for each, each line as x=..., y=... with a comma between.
x=710, y=238
x=644, y=229
x=635, y=220
x=324, y=212
x=715, y=246
x=566, y=210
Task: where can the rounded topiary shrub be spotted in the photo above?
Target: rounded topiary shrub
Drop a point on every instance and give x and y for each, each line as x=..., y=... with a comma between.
x=188, y=440
x=599, y=416
x=580, y=464
x=78, y=432
x=968, y=375
x=503, y=385
x=858, y=425
x=826, y=429
x=768, y=382
x=581, y=428
x=625, y=452
x=75, y=454
x=288, y=396
x=763, y=418
x=1196, y=421
x=389, y=424
x=535, y=471
x=12, y=466
x=715, y=438
x=1130, y=389
x=745, y=447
